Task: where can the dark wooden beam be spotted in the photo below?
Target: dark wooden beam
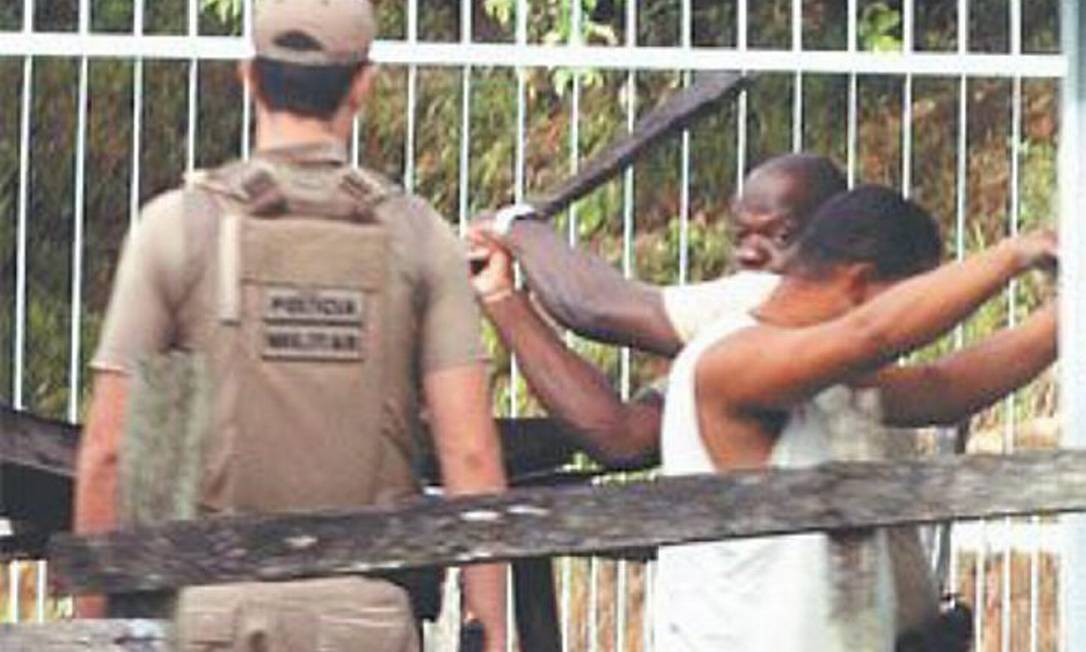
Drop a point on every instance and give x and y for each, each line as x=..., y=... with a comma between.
x=32, y=442
x=577, y=520
x=37, y=460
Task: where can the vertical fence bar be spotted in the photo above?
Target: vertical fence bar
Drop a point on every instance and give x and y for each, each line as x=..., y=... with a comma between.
x=247, y=93
x=907, y=40
x=628, y=186
x=75, y=354
x=741, y=109
x=518, y=190
x=24, y=208
x=1072, y=317
x=412, y=98
x=575, y=39
x=797, y=80
x=464, y=177
x=42, y=590
x=980, y=577
x=14, y=571
x=853, y=92
x=194, y=88
x=686, y=25
x=1010, y=413
x=137, y=115
x=593, y=603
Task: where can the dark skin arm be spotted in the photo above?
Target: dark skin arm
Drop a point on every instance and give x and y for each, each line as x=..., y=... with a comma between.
x=766, y=369
x=575, y=393
x=585, y=294
x=958, y=385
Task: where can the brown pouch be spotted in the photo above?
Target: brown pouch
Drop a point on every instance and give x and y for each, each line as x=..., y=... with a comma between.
x=332, y=615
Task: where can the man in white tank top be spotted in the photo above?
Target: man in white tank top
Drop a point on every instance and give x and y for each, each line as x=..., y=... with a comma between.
x=776, y=386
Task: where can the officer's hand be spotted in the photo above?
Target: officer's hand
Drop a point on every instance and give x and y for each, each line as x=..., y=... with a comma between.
x=491, y=266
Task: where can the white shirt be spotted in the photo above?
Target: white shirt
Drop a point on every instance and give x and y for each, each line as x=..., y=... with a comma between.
x=777, y=594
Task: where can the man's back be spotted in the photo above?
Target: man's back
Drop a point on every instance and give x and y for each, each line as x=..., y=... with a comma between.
x=333, y=322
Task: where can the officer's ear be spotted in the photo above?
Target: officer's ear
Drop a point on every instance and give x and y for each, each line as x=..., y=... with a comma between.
x=361, y=85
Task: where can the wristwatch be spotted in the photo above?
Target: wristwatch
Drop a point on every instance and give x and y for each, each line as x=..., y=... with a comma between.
x=504, y=218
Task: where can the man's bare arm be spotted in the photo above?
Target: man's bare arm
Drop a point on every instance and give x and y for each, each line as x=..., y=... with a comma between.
x=589, y=296
x=960, y=384
x=469, y=451
x=574, y=392
x=96, y=467
x=774, y=368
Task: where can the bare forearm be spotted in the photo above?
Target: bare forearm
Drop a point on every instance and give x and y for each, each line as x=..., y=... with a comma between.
x=96, y=466
x=589, y=296
x=471, y=462
x=574, y=392
x=917, y=311
x=973, y=378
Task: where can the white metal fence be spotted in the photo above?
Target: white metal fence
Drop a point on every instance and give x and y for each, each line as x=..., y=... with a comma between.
x=997, y=563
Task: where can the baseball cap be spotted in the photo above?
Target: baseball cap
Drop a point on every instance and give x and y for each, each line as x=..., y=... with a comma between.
x=286, y=30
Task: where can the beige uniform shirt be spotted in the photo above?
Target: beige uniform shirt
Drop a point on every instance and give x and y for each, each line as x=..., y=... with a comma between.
x=154, y=307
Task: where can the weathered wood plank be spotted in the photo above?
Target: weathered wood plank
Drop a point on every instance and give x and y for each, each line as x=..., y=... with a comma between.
x=37, y=458
x=541, y=522
x=88, y=636
x=36, y=443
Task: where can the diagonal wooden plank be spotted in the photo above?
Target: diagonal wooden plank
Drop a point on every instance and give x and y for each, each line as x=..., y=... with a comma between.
x=578, y=520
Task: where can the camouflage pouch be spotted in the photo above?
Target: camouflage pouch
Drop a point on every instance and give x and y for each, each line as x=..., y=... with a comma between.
x=169, y=416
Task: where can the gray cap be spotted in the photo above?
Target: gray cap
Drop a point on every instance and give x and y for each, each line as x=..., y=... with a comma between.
x=342, y=29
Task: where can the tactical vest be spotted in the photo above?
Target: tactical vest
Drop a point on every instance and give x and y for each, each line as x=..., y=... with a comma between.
x=284, y=407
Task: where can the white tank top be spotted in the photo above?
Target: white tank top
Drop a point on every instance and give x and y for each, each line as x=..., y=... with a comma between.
x=778, y=594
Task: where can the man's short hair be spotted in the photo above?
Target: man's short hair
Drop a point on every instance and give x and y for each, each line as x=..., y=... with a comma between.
x=303, y=90
x=871, y=224
x=802, y=183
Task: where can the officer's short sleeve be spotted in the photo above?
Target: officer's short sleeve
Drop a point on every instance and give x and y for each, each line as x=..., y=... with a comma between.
x=138, y=320
x=450, y=327
x=691, y=308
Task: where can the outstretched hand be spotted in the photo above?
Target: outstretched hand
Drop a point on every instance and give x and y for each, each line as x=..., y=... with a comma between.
x=1039, y=249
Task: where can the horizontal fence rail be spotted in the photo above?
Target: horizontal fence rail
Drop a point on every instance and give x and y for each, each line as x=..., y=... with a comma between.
x=641, y=57
x=543, y=522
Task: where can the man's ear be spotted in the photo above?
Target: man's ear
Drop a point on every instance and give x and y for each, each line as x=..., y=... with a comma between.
x=361, y=86
x=859, y=279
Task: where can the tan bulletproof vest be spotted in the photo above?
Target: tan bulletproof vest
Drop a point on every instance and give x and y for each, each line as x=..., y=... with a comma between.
x=294, y=296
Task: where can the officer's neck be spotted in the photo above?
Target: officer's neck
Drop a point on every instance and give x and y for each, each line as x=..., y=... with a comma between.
x=280, y=129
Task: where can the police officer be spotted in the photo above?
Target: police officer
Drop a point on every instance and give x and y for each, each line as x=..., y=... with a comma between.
x=328, y=306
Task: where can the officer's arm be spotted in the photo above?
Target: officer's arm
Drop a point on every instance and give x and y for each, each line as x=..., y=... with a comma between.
x=587, y=295
x=96, y=466
x=469, y=451
x=954, y=387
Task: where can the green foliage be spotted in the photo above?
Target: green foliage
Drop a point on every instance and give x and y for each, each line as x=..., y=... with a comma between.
x=227, y=11
x=879, y=28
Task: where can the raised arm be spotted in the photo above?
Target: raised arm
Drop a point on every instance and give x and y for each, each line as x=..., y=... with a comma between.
x=574, y=392
x=960, y=384
x=774, y=368
x=584, y=293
